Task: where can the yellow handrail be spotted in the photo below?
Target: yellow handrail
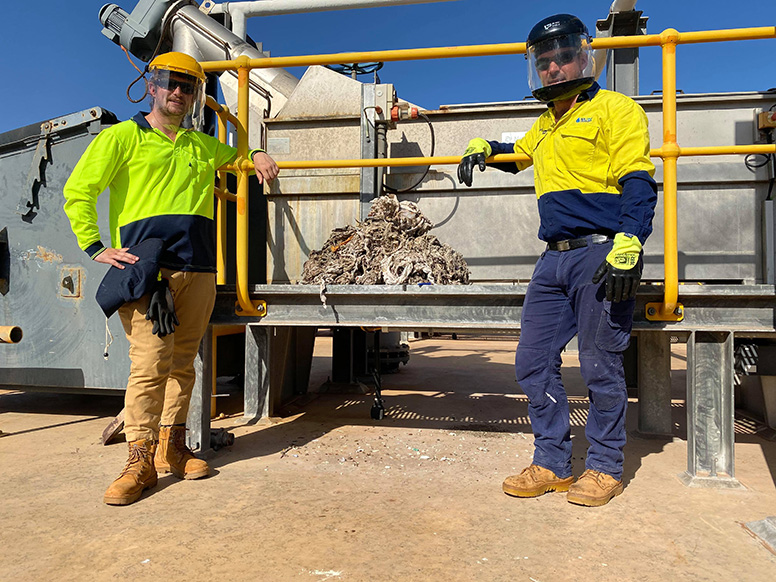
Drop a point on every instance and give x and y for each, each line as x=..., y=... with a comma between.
x=485, y=50
x=454, y=160
x=669, y=310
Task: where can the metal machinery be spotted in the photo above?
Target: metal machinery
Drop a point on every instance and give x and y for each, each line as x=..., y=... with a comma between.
x=709, y=271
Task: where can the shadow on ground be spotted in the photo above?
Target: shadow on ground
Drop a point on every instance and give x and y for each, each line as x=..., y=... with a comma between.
x=448, y=385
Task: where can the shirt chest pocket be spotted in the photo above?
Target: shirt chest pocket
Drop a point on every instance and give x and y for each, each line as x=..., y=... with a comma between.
x=575, y=145
x=196, y=168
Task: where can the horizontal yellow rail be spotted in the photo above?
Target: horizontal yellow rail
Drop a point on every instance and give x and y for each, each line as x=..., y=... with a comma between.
x=482, y=50
x=455, y=160
x=225, y=195
x=222, y=111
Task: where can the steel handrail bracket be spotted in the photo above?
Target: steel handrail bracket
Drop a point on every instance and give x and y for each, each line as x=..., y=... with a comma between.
x=669, y=310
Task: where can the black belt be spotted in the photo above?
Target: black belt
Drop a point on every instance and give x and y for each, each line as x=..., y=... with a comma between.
x=577, y=243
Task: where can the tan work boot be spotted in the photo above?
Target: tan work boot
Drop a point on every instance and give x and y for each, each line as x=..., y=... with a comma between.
x=594, y=489
x=534, y=481
x=139, y=474
x=173, y=456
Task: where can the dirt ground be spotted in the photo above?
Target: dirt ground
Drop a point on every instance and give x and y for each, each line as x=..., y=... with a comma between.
x=327, y=494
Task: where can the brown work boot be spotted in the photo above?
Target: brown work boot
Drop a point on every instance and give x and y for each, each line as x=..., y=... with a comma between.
x=139, y=474
x=534, y=481
x=593, y=489
x=173, y=456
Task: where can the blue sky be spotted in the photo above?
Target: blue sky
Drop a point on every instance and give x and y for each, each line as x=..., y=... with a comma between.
x=55, y=60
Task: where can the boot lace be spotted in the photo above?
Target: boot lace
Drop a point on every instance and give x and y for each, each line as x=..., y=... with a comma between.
x=534, y=472
x=597, y=476
x=137, y=455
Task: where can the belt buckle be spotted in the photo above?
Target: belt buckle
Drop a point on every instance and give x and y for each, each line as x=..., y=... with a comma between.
x=563, y=245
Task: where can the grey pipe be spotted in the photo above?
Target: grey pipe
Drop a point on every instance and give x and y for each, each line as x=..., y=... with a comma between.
x=202, y=37
x=240, y=11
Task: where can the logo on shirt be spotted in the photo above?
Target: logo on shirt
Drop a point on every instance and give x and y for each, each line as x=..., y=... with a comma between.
x=584, y=119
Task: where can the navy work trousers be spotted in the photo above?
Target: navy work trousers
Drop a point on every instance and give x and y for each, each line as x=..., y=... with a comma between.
x=562, y=301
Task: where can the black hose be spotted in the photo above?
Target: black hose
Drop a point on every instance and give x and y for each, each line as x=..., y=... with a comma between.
x=423, y=177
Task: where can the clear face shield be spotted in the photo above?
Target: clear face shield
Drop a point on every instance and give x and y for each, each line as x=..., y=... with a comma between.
x=190, y=90
x=560, y=67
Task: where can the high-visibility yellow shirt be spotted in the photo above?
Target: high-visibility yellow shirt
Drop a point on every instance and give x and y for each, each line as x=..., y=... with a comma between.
x=592, y=169
x=159, y=188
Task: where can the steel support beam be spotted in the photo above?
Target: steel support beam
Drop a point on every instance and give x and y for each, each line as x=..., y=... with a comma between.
x=622, y=64
x=742, y=309
x=654, y=371
x=277, y=367
x=257, y=363
x=349, y=355
x=769, y=242
x=710, y=414
x=198, y=419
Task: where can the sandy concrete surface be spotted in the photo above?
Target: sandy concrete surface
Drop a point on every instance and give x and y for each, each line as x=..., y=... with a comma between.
x=324, y=493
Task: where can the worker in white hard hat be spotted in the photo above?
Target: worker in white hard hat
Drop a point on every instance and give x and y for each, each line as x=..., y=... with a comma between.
x=161, y=179
x=596, y=197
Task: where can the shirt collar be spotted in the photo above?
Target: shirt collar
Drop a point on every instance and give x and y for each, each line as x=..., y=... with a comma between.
x=589, y=93
x=585, y=95
x=141, y=121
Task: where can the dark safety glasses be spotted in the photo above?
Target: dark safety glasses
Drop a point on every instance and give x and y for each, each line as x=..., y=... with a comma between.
x=164, y=80
x=560, y=58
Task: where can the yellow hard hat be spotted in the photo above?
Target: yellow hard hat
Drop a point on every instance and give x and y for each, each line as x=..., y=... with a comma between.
x=178, y=62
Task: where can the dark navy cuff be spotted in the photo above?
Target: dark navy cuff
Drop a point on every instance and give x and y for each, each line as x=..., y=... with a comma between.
x=639, y=197
x=94, y=249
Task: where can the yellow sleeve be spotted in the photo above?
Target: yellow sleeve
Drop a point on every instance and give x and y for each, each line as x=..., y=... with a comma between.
x=91, y=176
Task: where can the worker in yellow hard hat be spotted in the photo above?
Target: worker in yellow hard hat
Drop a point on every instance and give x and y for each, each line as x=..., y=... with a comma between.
x=596, y=198
x=161, y=179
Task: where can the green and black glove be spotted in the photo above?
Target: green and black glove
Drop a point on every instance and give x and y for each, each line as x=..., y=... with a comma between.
x=622, y=267
x=475, y=154
x=161, y=309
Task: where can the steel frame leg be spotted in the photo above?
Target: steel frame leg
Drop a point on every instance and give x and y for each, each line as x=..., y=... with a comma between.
x=198, y=419
x=654, y=372
x=257, y=378
x=710, y=412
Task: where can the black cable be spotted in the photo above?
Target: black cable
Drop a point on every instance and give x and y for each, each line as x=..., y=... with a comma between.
x=767, y=159
x=431, y=155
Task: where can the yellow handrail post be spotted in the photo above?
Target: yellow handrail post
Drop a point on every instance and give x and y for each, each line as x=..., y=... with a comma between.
x=244, y=304
x=669, y=309
x=221, y=214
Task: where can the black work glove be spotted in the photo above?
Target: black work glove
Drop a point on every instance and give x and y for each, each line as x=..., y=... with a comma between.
x=161, y=309
x=622, y=267
x=620, y=285
x=474, y=156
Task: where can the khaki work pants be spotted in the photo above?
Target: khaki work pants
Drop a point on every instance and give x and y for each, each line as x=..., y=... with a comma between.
x=161, y=377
